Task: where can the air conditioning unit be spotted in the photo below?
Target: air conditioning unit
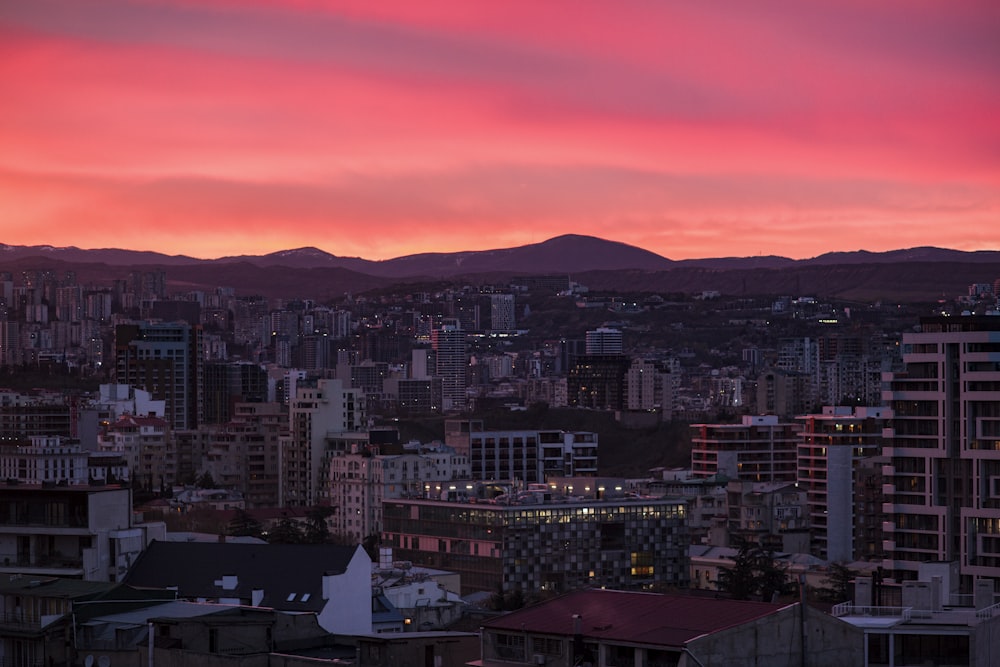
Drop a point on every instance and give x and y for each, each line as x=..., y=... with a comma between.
x=539, y=659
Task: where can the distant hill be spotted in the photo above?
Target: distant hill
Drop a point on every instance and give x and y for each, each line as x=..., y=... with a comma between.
x=913, y=274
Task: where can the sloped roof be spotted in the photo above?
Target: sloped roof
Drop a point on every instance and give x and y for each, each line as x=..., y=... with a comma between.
x=291, y=575
x=643, y=618
x=54, y=587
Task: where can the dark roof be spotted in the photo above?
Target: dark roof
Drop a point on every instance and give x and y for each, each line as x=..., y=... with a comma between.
x=287, y=573
x=642, y=618
x=54, y=587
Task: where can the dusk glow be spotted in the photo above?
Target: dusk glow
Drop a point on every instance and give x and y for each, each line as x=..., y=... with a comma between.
x=380, y=129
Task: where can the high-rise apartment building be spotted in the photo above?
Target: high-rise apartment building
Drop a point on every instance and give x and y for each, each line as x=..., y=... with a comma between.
x=502, y=316
x=832, y=447
x=164, y=359
x=943, y=475
x=326, y=409
x=759, y=449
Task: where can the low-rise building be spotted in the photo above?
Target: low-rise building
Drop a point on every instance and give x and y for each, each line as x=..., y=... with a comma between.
x=932, y=625
x=332, y=581
x=605, y=627
x=539, y=545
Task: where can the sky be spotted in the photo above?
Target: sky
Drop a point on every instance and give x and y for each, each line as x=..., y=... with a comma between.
x=382, y=129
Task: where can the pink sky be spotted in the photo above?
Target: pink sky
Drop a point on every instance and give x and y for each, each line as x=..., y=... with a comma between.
x=380, y=129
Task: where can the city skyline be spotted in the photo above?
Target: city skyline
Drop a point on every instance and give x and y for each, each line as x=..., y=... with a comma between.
x=222, y=128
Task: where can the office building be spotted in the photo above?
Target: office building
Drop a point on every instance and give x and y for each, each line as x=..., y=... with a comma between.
x=604, y=340
x=448, y=344
x=539, y=545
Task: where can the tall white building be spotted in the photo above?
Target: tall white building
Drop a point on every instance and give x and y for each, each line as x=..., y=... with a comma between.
x=326, y=409
x=362, y=479
x=830, y=448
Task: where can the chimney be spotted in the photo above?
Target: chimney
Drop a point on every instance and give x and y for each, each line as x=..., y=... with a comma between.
x=577, y=639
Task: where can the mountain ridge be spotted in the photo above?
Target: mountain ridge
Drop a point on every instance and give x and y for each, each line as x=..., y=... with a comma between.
x=916, y=274
x=568, y=253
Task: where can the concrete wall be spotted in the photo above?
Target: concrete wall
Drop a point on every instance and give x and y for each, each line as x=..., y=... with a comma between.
x=777, y=639
x=348, y=596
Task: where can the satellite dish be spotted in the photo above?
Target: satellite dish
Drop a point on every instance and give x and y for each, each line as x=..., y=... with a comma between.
x=104, y=661
x=88, y=661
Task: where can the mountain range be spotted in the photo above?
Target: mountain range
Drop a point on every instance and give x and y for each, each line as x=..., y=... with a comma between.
x=914, y=273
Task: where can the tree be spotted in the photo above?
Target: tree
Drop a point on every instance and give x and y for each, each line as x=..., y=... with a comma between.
x=316, y=531
x=244, y=525
x=286, y=531
x=206, y=481
x=754, y=575
x=837, y=584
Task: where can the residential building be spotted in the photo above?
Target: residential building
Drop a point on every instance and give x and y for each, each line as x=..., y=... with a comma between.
x=771, y=514
x=325, y=409
x=502, y=316
x=331, y=581
x=832, y=447
x=943, y=475
x=147, y=445
x=30, y=608
x=607, y=627
x=531, y=456
x=81, y=532
x=624, y=543
x=932, y=624
x=164, y=359
x=758, y=449
x=362, y=479
x=46, y=460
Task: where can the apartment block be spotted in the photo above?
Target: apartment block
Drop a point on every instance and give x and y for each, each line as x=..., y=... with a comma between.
x=943, y=476
x=831, y=450
x=758, y=449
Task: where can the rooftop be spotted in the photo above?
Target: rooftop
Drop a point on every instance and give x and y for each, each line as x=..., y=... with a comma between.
x=657, y=619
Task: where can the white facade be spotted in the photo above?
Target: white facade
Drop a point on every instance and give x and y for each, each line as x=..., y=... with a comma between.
x=47, y=460
x=361, y=480
x=326, y=409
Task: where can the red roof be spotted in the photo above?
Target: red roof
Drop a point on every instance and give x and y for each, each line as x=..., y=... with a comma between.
x=642, y=618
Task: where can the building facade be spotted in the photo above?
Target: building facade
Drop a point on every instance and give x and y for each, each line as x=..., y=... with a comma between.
x=943, y=445
x=635, y=543
x=759, y=449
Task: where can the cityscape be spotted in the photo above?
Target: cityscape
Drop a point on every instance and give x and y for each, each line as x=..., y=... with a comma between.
x=462, y=334
x=440, y=457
